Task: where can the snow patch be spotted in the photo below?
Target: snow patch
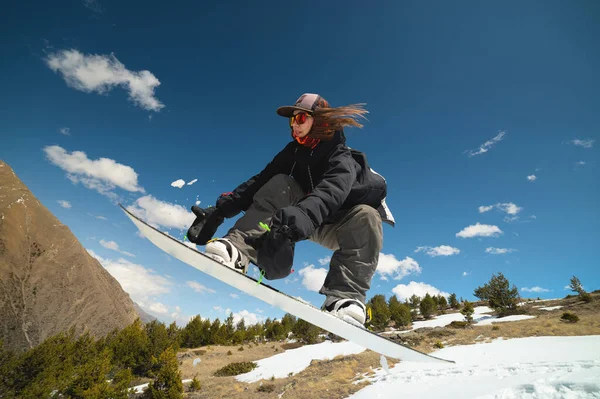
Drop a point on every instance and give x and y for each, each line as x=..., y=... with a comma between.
x=518, y=317
x=549, y=308
x=295, y=360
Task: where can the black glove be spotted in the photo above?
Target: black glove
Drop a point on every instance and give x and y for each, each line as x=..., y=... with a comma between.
x=275, y=252
x=228, y=205
x=206, y=224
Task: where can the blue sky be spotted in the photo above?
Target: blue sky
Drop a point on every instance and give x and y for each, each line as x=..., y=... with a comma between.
x=483, y=119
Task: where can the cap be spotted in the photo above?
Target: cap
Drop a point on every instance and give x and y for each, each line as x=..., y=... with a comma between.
x=308, y=102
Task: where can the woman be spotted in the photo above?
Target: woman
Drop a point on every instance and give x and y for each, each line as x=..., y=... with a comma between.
x=315, y=189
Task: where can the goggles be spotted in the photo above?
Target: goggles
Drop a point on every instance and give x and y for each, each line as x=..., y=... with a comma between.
x=299, y=118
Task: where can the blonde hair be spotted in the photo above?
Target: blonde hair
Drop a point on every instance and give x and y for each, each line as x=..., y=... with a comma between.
x=329, y=120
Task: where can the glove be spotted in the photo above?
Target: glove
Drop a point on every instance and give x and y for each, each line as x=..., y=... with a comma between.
x=275, y=252
x=206, y=224
x=228, y=205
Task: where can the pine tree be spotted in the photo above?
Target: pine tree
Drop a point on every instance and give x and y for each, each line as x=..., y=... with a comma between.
x=158, y=339
x=468, y=311
x=130, y=348
x=442, y=303
x=576, y=285
x=192, y=333
x=380, y=312
x=499, y=295
x=306, y=332
x=399, y=312
x=288, y=322
x=427, y=306
x=167, y=384
x=453, y=302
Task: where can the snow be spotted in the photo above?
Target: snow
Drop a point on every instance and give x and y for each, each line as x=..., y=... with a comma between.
x=295, y=360
x=490, y=321
x=536, y=367
x=444, y=320
x=192, y=182
x=551, y=308
x=178, y=183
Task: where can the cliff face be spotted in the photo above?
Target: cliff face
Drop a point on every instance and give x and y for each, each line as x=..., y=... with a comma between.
x=48, y=281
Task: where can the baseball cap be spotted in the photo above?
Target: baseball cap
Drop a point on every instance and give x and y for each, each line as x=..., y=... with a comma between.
x=308, y=102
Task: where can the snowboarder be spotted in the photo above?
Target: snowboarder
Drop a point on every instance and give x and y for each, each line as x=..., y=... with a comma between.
x=317, y=189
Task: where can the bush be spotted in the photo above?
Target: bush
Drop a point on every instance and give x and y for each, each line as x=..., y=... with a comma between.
x=586, y=297
x=241, y=348
x=235, y=369
x=306, y=332
x=168, y=380
x=229, y=353
x=468, y=311
x=495, y=328
x=380, y=311
x=266, y=388
x=439, y=345
x=458, y=324
x=569, y=317
x=195, y=385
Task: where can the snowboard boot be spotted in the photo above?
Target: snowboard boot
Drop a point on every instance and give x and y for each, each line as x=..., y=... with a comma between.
x=223, y=251
x=350, y=310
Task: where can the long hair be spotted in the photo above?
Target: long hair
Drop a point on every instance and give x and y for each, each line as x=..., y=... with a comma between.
x=329, y=120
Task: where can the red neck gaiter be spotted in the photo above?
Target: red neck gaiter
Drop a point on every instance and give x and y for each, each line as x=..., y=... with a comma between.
x=307, y=141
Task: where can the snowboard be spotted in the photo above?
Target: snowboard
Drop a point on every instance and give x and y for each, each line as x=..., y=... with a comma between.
x=272, y=296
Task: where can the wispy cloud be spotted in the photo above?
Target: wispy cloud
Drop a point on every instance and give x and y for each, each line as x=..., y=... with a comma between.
x=532, y=178
x=234, y=296
x=196, y=286
x=465, y=274
x=159, y=308
x=507, y=207
x=534, y=289
x=64, y=204
x=65, y=131
x=249, y=318
x=479, y=230
x=324, y=261
x=442, y=250
x=405, y=291
x=93, y=5
x=313, y=278
x=103, y=175
x=158, y=213
x=114, y=247
x=587, y=143
x=192, y=182
x=101, y=73
x=485, y=147
x=499, y=251
x=389, y=266
x=139, y=282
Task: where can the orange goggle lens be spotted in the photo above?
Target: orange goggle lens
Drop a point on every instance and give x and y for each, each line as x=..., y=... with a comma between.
x=299, y=118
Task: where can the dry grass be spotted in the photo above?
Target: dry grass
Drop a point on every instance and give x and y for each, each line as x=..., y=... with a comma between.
x=330, y=379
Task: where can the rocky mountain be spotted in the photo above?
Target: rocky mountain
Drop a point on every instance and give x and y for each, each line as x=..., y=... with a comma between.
x=144, y=317
x=48, y=281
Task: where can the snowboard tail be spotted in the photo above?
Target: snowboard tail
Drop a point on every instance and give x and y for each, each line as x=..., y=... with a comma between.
x=272, y=296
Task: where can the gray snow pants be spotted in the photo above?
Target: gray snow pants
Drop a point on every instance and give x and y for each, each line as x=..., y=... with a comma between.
x=356, y=237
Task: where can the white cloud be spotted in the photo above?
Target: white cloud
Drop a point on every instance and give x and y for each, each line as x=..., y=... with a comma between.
x=325, y=261
x=249, y=318
x=499, y=251
x=442, y=250
x=178, y=183
x=234, y=296
x=102, y=175
x=114, y=247
x=196, y=286
x=483, y=209
x=218, y=308
x=313, y=279
x=192, y=182
x=65, y=131
x=159, y=213
x=532, y=177
x=465, y=274
x=64, y=204
x=588, y=143
x=510, y=219
x=101, y=73
x=140, y=283
x=180, y=319
x=405, y=291
x=397, y=269
x=534, y=289
x=479, y=230
x=485, y=147
x=158, y=307
x=581, y=163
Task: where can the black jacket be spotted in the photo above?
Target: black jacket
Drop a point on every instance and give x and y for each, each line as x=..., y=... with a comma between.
x=333, y=176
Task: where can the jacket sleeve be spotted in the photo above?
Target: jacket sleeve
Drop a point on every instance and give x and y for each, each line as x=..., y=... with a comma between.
x=326, y=198
x=243, y=195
